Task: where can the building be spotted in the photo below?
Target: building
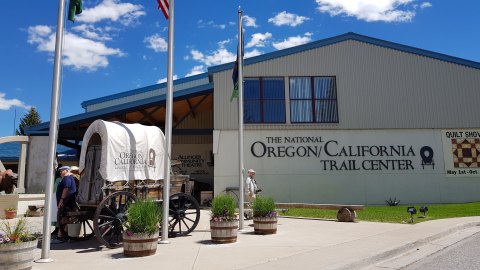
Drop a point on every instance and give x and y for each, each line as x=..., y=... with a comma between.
x=349, y=119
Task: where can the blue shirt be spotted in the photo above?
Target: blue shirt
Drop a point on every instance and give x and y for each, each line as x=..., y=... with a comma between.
x=67, y=182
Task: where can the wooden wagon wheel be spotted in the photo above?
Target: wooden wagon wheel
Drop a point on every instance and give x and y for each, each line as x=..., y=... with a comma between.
x=110, y=218
x=184, y=214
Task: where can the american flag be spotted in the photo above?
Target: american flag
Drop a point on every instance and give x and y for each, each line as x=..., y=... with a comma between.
x=163, y=4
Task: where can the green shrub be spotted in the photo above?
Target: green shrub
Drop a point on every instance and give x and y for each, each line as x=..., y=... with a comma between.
x=143, y=217
x=223, y=208
x=264, y=207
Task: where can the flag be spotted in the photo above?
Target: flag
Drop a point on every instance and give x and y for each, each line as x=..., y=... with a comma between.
x=74, y=8
x=163, y=5
x=235, y=73
x=235, y=80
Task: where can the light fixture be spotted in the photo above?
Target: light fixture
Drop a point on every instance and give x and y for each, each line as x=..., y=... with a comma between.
x=424, y=210
x=412, y=210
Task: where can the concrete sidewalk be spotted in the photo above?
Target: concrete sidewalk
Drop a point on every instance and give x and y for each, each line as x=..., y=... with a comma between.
x=299, y=243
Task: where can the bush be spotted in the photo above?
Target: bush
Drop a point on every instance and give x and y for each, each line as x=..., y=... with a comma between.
x=223, y=208
x=264, y=207
x=143, y=217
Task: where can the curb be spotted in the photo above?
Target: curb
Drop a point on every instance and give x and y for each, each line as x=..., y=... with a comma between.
x=385, y=255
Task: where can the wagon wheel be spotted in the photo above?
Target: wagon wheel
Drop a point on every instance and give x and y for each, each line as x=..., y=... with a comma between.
x=110, y=218
x=184, y=214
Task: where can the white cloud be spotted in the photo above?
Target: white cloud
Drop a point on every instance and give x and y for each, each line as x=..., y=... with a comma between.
x=425, y=5
x=250, y=21
x=196, y=70
x=157, y=43
x=6, y=104
x=368, y=10
x=92, y=32
x=202, y=24
x=293, y=41
x=217, y=57
x=165, y=79
x=125, y=13
x=222, y=43
x=78, y=52
x=290, y=19
x=253, y=53
x=259, y=40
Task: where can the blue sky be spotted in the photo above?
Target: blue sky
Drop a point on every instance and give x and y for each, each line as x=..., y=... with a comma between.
x=120, y=45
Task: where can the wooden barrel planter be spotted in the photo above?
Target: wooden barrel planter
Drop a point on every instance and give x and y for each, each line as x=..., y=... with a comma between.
x=17, y=255
x=265, y=225
x=140, y=244
x=223, y=232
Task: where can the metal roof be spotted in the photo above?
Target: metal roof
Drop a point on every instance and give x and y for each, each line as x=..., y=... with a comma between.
x=345, y=37
x=142, y=90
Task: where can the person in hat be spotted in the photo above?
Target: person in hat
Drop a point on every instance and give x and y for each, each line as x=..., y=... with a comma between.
x=76, y=175
x=65, y=195
x=251, y=185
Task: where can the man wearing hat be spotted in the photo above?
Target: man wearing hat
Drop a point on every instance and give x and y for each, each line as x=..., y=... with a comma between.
x=65, y=195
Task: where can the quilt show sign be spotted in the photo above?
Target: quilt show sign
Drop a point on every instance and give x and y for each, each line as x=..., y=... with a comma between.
x=461, y=152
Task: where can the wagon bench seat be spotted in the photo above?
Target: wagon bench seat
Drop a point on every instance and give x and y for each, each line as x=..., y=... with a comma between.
x=346, y=213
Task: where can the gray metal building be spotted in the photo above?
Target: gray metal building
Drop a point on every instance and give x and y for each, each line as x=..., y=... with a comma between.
x=348, y=119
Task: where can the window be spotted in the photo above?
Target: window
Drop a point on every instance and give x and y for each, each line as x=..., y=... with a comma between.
x=264, y=100
x=313, y=100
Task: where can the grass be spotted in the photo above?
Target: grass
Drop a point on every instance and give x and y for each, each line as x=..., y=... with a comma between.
x=395, y=214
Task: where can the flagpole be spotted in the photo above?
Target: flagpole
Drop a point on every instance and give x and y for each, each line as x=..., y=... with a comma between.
x=240, y=118
x=53, y=130
x=168, y=127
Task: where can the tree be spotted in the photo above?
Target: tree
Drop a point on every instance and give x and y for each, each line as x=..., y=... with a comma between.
x=29, y=119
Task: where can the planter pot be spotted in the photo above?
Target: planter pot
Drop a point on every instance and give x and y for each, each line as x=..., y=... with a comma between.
x=140, y=244
x=17, y=255
x=223, y=232
x=10, y=214
x=265, y=225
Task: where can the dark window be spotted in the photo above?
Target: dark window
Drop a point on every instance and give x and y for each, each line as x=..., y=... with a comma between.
x=313, y=100
x=264, y=100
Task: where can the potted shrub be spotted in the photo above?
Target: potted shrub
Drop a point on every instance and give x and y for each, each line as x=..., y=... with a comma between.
x=17, y=245
x=224, y=220
x=142, y=228
x=10, y=213
x=264, y=215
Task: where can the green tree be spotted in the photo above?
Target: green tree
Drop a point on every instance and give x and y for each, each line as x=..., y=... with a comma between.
x=29, y=119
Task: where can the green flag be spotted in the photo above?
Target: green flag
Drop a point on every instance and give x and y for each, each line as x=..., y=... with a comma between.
x=74, y=8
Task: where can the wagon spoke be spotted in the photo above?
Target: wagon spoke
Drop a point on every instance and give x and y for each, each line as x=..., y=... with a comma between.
x=186, y=225
x=190, y=219
x=104, y=224
x=109, y=210
x=172, y=227
x=107, y=231
x=106, y=217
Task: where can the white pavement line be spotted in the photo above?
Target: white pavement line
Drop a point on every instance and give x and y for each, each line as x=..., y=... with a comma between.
x=416, y=254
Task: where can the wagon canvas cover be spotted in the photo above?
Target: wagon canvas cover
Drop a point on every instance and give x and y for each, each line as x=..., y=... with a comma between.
x=128, y=151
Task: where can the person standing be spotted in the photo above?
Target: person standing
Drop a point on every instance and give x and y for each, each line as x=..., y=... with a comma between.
x=65, y=195
x=251, y=185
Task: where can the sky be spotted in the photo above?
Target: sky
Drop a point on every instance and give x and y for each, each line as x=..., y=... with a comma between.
x=120, y=45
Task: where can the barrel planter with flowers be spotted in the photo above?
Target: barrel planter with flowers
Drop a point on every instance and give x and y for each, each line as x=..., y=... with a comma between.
x=17, y=246
x=264, y=215
x=224, y=220
x=142, y=229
